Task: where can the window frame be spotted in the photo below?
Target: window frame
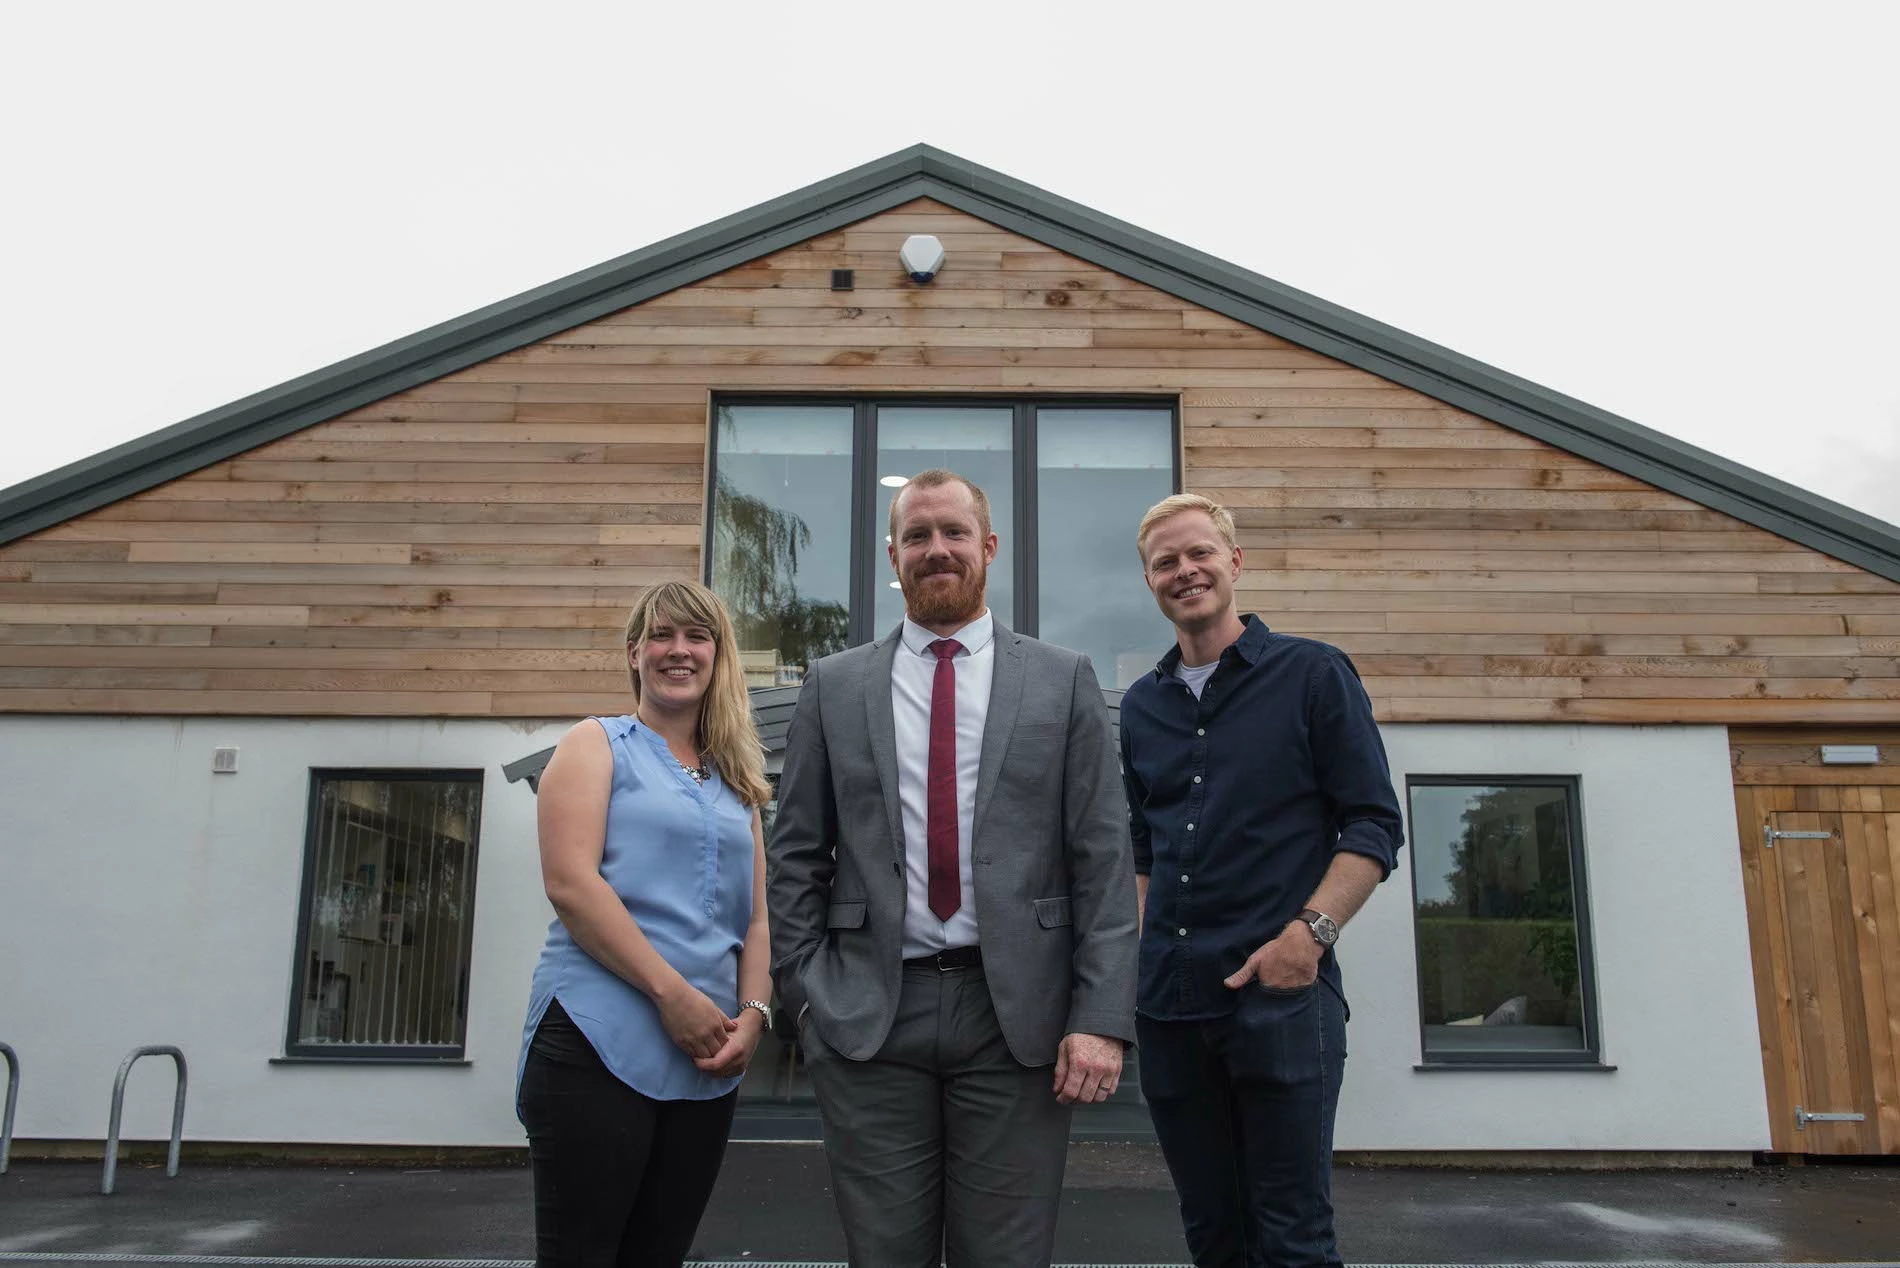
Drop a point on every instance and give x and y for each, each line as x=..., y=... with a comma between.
x=1590, y=1055
x=297, y=1049
x=866, y=533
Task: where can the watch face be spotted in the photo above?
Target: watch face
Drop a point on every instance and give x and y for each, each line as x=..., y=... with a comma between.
x=1324, y=929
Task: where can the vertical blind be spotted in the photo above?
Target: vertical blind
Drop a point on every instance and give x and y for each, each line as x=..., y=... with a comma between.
x=391, y=879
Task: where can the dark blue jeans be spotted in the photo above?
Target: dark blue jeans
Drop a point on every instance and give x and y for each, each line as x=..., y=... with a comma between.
x=1243, y=1106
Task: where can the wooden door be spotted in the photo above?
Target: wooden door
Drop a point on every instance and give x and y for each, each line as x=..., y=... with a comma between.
x=1820, y=865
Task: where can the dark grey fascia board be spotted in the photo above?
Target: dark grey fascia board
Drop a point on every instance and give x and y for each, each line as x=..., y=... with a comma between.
x=923, y=171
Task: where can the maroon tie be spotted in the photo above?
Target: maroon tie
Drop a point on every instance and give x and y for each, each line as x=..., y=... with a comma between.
x=946, y=888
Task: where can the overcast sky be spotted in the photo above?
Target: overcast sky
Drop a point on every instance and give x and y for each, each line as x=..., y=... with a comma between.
x=1684, y=214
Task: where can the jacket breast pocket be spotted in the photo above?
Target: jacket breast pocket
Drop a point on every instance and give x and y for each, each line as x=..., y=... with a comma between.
x=1053, y=913
x=845, y=915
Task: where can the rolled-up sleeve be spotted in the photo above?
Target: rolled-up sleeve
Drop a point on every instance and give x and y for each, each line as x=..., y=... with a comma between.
x=1350, y=763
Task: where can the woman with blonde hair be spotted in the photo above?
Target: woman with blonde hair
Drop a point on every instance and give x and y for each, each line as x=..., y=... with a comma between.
x=649, y=997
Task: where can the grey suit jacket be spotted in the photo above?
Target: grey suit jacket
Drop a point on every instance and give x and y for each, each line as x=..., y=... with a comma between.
x=1054, y=871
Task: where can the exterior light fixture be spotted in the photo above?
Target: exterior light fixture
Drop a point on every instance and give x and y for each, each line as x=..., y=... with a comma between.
x=893, y=482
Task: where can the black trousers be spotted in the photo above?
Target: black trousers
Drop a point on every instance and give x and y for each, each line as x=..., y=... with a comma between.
x=620, y=1179
x=1243, y=1106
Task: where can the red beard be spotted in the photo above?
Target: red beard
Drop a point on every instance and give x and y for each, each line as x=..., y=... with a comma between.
x=938, y=604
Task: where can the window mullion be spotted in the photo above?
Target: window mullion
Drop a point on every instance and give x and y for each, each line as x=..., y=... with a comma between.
x=1028, y=532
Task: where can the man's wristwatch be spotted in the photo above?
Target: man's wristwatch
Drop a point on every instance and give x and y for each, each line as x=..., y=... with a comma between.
x=1325, y=928
x=765, y=1009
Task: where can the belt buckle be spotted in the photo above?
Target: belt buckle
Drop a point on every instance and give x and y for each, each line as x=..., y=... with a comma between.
x=937, y=957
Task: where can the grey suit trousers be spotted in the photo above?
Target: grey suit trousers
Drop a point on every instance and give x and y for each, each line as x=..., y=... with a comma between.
x=942, y=1143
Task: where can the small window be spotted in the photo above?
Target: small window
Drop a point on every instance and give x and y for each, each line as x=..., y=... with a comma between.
x=388, y=904
x=1504, y=959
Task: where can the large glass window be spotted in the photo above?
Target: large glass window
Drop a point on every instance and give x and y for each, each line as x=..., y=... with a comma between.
x=801, y=497
x=1503, y=946
x=388, y=907
x=781, y=533
x=1097, y=470
x=973, y=441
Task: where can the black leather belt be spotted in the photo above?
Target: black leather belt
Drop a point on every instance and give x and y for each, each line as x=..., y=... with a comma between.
x=946, y=960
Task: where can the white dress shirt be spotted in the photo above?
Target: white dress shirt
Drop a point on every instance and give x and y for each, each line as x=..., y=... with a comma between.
x=913, y=675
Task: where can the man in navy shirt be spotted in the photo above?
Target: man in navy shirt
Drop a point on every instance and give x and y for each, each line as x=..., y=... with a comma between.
x=1263, y=815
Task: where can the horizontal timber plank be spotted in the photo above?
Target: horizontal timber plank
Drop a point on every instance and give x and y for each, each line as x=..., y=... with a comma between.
x=149, y=614
x=432, y=575
x=1321, y=448
x=1728, y=624
x=270, y=552
x=536, y=617
x=331, y=513
x=1559, y=582
x=529, y=592
x=453, y=452
x=1441, y=499
x=241, y=681
x=415, y=638
x=368, y=704
x=206, y=656
x=605, y=429
x=108, y=592
x=422, y=491
x=1554, y=560
x=468, y=472
x=1481, y=539
x=781, y=301
x=99, y=636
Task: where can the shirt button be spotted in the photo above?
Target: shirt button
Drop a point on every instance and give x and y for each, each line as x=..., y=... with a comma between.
x=1200, y=730
x=1197, y=779
x=1182, y=932
x=1190, y=827
x=1184, y=879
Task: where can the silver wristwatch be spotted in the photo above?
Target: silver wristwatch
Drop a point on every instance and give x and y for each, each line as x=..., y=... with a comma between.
x=765, y=1009
x=1325, y=928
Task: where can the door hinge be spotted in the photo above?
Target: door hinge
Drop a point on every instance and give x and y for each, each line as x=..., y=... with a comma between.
x=1769, y=835
x=1803, y=1117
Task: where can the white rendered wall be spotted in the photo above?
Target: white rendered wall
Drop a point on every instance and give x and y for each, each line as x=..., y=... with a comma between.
x=1674, y=986
x=145, y=900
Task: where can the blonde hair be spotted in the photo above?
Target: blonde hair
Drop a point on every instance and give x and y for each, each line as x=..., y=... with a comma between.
x=726, y=733
x=1169, y=507
x=937, y=477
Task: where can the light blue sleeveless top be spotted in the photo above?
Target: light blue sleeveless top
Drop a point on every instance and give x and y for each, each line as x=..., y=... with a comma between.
x=680, y=856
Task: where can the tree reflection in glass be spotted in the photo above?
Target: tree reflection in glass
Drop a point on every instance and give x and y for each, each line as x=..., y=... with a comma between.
x=781, y=541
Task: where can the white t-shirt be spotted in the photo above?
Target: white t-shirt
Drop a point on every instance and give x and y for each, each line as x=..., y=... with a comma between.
x=1196, y=676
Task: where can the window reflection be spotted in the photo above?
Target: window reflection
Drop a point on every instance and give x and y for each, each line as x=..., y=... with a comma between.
x=1499, y=953
x=1097, y=470
x=975, y=443
x=781, y=544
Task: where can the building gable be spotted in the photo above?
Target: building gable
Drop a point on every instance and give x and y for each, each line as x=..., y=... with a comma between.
x=468, y=545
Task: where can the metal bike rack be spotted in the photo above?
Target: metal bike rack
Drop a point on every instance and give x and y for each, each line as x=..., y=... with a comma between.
x=13, y=1103
x=118, y=1108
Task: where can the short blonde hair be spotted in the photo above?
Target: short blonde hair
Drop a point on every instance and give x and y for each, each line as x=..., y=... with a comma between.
x=937, y=477
x=726, y=732
x=1169, y=507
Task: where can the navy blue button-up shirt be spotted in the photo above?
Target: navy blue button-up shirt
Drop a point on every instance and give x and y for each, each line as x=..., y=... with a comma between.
x=1237, y=803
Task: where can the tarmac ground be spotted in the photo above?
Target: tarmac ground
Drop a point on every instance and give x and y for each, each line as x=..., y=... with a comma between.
x=773, y=1207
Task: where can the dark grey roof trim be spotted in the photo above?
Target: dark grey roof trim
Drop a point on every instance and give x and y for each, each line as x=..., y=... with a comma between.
x=922, y=171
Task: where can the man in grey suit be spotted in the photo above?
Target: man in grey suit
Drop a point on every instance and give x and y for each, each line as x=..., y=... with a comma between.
x=952, y=901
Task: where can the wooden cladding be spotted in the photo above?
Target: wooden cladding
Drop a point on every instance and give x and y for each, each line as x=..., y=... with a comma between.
x=470, y=547
x=1821, y=877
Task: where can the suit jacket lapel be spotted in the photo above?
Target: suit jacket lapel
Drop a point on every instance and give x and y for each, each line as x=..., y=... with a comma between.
x=1006, y=694
x=881, y=725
